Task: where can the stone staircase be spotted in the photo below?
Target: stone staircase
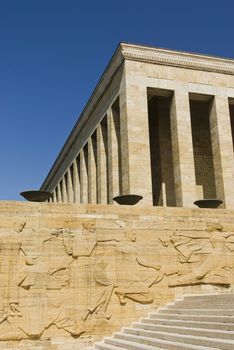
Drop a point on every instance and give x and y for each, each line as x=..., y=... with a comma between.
x=198, y=322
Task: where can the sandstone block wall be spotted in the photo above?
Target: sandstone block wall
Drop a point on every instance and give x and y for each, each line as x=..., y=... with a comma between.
x=70, y=274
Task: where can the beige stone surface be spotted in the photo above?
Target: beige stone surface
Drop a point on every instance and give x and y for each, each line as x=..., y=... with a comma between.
x=92, y=172
x=102, y=164
x=83, y=177
x=138, y=140
x=70, y=189
x=70, y=274
x=222, y=150
x=76, y=182
x=114, y=153
x=182, y=149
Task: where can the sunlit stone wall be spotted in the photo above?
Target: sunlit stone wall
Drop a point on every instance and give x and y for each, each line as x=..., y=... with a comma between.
x=70, y=274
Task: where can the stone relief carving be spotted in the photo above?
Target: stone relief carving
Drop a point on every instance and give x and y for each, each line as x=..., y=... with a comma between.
x=104, y=287
x=65, y=279
x=212, y=253
x=115, y=273
x=129, y=284
x=31, y=300
x=38, y=289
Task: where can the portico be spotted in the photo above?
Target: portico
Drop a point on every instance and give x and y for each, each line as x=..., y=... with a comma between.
x=160, y=124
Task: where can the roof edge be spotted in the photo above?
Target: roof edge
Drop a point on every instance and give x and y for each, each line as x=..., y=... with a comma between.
x=177, y=58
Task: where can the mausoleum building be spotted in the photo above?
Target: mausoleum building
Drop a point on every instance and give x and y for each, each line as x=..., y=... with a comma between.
x=160, y=123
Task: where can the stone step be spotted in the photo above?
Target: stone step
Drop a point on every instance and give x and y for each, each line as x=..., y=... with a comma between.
x=152, y=338
x=185, y=330
x=202, y=322
x=204, y=302
x=204, y=318
x=209, y=297
x=190, y=323
x=201, y=305
x=158, y=343
x=211, y=312
x=105, y=346
x=119, y=343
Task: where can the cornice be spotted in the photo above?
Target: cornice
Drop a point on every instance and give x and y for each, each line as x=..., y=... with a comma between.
x=178, y=59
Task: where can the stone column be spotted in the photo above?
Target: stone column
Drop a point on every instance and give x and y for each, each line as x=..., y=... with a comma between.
x=222, y=149
x=69, y=186
x=76, y=183
x=101, y=165
x=124, y=138
x=167, y=193
x=109, y=155
x=83, y=179
x=114, y=154
x=135, y=147
x=64, y=190
x=182, y=150
x=54, y=197
x=59, y=194
x=92, y=188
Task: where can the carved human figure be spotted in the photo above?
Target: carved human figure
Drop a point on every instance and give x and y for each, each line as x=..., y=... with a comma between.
x=77, y=244
x=160, y=268
x=104, y=288
x=214, y=269
x=120, y=256
x=26, y=300
x=63, y=249
x=35, y=298
x=29, y=302
x=129, y=284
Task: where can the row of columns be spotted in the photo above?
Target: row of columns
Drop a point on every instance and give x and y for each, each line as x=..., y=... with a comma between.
x=116, y=158
x=182, y=145
x=95, y=174
x=222, y=150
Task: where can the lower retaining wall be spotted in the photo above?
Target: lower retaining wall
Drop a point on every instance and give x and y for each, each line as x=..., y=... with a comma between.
x=70, y=274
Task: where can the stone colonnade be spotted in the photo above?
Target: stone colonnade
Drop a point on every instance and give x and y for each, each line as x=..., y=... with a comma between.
x=116, y=157
x=202, y=147
x=95, y=174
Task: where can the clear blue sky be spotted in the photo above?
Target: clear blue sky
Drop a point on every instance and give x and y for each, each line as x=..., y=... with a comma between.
x=52, y=53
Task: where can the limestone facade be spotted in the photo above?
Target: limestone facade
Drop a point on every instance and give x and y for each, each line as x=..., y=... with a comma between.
x=160, y=124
